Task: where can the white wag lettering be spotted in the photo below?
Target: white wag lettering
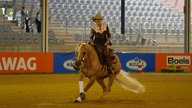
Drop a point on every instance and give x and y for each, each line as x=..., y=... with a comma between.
x=31, y=64
x=18, y=63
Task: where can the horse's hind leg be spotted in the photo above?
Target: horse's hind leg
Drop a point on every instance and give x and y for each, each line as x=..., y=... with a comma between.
x=105, y=89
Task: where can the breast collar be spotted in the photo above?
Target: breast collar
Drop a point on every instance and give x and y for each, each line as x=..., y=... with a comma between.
x=97, y=29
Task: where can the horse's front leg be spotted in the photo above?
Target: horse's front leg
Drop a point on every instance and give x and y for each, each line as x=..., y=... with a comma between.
x=83, y=90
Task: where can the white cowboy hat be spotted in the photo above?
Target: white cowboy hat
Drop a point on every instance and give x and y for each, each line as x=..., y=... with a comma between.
x=97, y=17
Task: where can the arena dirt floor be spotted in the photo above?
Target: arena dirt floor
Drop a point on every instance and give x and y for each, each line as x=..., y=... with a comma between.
x=59, y=90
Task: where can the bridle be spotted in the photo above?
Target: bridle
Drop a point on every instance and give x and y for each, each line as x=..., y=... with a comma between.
x=78, y=61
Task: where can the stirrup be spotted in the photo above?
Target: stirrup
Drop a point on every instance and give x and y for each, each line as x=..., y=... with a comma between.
x=110, y=70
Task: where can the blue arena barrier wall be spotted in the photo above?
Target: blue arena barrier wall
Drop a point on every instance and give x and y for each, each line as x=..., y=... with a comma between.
x=63, y=62
x=129, y=61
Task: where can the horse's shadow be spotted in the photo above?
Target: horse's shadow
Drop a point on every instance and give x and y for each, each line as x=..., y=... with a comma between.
x=120, y=101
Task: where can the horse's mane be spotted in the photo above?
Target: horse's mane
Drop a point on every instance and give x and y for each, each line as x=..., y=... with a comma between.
x=87, y=54
x=88, y=47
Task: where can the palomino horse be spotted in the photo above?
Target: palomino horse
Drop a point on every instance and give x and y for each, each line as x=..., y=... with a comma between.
x=89, y=66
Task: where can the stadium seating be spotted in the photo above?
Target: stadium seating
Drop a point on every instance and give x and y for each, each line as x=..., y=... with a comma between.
x=148, y=9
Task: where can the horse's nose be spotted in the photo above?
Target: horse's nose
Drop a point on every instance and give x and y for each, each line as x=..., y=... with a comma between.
x=78, y=63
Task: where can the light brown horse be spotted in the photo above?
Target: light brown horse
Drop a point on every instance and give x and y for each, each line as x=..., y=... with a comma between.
x=89, y=66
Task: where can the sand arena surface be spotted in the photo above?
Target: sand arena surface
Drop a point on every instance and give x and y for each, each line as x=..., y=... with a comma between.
x=59, y=90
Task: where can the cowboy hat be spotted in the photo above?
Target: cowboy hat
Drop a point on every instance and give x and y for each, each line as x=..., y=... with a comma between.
x=97, y=17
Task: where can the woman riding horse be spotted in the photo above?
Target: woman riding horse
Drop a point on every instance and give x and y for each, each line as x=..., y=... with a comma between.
x=100, y=39
x=90, y=64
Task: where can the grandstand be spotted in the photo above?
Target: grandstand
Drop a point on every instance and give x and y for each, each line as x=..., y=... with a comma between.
x=147, y=22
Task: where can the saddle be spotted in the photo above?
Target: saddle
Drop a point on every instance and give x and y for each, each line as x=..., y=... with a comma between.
x=105, y=55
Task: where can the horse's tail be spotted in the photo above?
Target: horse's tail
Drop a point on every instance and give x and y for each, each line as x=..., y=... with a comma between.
x=129, y=83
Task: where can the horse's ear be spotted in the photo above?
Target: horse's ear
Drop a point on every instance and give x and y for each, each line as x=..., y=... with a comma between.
x=80, y=43
x=78, y=46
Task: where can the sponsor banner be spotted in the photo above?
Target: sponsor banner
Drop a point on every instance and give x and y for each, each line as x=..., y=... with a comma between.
x=63, y=62
x=181, y=61
x=13, y=62
x=129, y=61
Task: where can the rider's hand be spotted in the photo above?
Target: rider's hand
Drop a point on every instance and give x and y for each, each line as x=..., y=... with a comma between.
x=91, y=43
x=110, y=43
x=106, y=43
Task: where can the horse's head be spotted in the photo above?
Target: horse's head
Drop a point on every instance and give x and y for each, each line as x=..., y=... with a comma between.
x=81, y=53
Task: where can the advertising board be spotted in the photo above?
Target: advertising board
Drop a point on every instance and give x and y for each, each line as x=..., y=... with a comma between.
x=27, y=62
x=129, y=61
x=179, y=62
x=63, y=62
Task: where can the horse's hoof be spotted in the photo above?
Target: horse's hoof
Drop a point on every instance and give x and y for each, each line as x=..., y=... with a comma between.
x=82, y=95
x=76, y=101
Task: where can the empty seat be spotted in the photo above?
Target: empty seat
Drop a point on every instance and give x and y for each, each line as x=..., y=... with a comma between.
x=102, y=7
x=139, y=3
x=58, y=6
x=117, y=2
x=151, y=14
x=52, y=5
x=145, y=13
x=147, y=8
x=60, y=1
x=84, y=7
x=64, y=23
x=130, y=8
x=82, y=1
x=141, y=8
x=56, y=17
x=167, y=14
x=93, y=2
x=143, y=18
x=60, y=11
x=117, y=13
x=71, y=6
x=106, y=2
x=147, y=25
x=50, y=1
x=65, y=6
x=162, y=14
x=165, y=19
x=76, y=1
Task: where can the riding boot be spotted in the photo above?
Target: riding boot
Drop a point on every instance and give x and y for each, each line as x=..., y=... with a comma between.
x=100, y=54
